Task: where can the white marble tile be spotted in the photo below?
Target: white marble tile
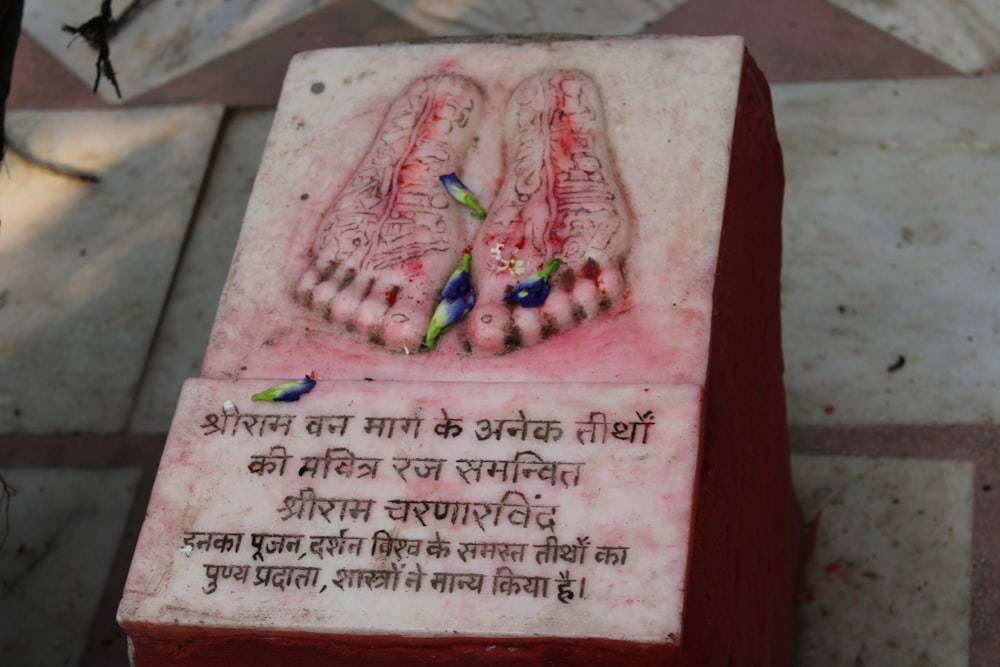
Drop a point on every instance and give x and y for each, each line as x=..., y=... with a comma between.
x=165, y=40
x=183, y=333
x=891, y=276
x=65, y=526
x=888, y=583
x=86, y=266
x=584, y=17
x=964, y=34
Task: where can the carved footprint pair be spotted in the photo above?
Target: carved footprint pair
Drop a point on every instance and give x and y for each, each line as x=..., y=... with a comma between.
x=386, y=247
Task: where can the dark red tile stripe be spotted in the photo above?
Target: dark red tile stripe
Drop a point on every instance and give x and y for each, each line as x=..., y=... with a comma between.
x=803, y=40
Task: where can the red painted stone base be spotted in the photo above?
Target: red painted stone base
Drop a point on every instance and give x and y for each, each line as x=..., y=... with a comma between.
x=744, y=545
x=744, y=552
x=217, y=649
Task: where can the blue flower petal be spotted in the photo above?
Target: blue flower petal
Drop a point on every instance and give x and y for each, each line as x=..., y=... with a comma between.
x=286, y=392
x=533, y=290
x=529, y=293
x=457, y=299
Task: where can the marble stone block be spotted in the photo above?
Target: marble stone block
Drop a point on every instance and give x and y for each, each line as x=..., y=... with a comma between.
x=531, y=293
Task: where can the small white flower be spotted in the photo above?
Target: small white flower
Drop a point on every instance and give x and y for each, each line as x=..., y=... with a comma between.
x=513, y=264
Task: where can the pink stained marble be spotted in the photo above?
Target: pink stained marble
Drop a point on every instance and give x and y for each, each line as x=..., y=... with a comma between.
x=536, y=481
x=667, y=108
x=672, y=321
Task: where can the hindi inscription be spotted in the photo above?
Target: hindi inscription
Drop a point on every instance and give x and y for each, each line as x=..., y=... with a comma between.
x=560, y=510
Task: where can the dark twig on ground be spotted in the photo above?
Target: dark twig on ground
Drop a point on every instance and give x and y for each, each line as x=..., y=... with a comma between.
x=97, y=32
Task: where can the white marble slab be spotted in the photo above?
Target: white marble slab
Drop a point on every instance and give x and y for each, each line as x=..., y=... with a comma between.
x=65, y=526
x=165, y=40
x=332, y=106
x=964, y=34
x=86, y=266
x=890, y=275
x=583, y=17
x=187, y=320
x=352, y=511
x=888, y=583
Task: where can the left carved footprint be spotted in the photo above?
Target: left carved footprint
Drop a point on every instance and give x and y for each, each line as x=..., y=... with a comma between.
x=390, y=240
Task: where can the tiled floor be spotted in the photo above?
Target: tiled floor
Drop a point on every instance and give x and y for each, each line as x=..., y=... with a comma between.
x=892, y=146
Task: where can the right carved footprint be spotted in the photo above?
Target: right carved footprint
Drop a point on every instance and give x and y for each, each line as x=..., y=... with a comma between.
x=559, y=200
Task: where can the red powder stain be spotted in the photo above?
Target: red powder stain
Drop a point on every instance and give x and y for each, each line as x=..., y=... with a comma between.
x=498, y=182
x=565, y=139
x=390, y=297
x=591, y=270
x=448, y=65
x=406, y=178
x=829, y=409
x=431, y=130
x=569, y=281
x=646, y=389
x=414, y=269
x=629, y=601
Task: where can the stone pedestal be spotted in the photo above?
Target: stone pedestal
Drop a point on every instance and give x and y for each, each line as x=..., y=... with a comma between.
x=599, y=477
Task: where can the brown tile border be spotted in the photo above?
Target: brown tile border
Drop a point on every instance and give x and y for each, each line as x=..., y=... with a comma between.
x=977, y=443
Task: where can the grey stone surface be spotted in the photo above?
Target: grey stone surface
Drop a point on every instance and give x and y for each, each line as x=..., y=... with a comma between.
x=183, y=334
x=890, y=275
x=87, y=266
